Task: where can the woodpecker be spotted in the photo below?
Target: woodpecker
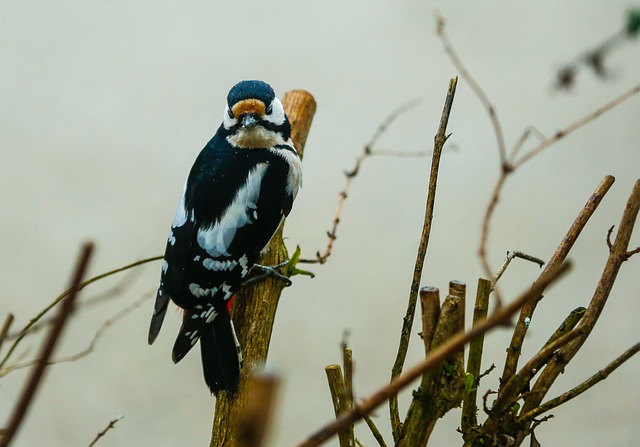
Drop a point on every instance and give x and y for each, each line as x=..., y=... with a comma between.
x=241, y=186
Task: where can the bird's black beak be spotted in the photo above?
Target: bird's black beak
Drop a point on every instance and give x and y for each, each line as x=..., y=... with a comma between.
x=249, y=120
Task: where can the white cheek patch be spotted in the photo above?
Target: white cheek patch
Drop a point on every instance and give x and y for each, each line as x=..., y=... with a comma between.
x=277, y=113
x=217, y=239
x=227, y=121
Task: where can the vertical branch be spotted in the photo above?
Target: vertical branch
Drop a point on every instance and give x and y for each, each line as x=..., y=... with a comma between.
x=440, y=139
x=255, y=307
x=430, y=304
x=347, y=364
x=29, y=391
x=340, y=403
x=440, y=388
x=480, y=310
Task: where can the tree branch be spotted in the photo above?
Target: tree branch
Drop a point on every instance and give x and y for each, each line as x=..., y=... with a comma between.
x=499, y=317
x=439, y=141
x=616, y=258
x=560, y=254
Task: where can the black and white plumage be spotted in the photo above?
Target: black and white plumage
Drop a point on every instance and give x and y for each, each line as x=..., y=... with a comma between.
x=239, y=189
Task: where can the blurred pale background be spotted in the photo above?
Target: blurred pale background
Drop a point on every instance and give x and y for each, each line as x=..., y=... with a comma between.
x=104, y=106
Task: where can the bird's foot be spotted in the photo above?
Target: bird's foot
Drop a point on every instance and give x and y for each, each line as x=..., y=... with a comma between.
x=271, y=272
x=261, y=272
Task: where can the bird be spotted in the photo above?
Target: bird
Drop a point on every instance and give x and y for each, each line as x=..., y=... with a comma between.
x=239, y=189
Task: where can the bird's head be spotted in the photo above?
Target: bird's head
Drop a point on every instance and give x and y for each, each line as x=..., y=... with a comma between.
x=254, y=117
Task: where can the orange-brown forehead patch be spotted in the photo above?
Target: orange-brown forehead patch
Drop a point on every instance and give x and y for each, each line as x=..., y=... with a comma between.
x=247, y=106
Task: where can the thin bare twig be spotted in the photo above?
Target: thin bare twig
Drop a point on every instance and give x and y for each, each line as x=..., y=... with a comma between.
x=439, y=141
x=63, y=295
x=511, y=255
x=584, y=386
x=367, y=151
x=29, y=391
x=118, y=289
x=480, y=94
x=576, y=125
x=110, y=426
x=437, y=356
x=71, y=358
x=530, y=130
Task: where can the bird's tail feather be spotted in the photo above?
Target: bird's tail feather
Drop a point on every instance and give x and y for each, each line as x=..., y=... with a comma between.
x=220, y=355
x=159, y=311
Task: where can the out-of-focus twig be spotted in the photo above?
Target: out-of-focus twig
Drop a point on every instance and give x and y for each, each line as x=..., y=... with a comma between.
x=479, y=92
x=595, y=58
x=28, y=393
x=439, y=141
x=256, y=415
x=112, y=423
x=5, y=328
x=71, y=358
x=500, y=316
x=112, y=292
x=63, y=295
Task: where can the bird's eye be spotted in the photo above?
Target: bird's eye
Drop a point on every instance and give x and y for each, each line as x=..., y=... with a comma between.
x=269, y=109
x=230, y=113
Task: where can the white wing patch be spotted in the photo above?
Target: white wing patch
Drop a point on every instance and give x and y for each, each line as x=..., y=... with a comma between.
x=217, y=239
x=181, y=215
x=228, y=264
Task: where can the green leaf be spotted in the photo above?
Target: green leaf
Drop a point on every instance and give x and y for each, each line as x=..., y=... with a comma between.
x=292, y=270
x=469, y=382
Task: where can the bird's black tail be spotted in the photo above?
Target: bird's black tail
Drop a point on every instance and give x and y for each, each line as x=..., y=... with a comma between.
x=220, y=355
